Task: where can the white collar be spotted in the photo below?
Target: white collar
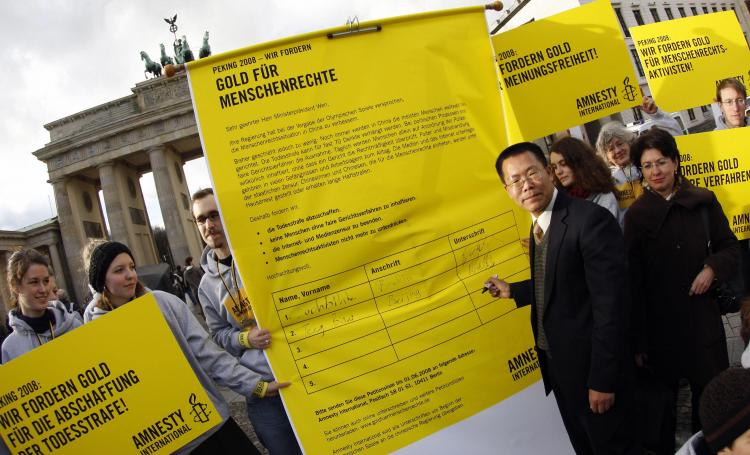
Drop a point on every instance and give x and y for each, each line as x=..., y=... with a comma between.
x=546, y=217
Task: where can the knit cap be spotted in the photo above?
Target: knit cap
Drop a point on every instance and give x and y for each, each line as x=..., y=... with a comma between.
x=725, y=408
x=101, y=258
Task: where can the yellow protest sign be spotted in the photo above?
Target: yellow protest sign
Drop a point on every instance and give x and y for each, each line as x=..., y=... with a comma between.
x=356, y=181
x=564, y=70
x=719, y=161
x=684, y=59
x=103, y=388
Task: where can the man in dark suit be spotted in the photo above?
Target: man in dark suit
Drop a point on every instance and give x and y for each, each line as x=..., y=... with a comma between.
x=579, y=304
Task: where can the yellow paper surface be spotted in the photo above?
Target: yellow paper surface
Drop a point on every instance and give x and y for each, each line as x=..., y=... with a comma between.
x=684, y=59
x=719, y=161
x=564, y=70
x=365, y=215
x=103, y=388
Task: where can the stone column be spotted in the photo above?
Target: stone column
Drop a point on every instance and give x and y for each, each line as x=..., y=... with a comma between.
x=57, y=265
x=169, y=203
x=71, y=240
x=115, y=214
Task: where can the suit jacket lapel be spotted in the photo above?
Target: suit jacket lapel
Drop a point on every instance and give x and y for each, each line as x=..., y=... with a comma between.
x=557, y=228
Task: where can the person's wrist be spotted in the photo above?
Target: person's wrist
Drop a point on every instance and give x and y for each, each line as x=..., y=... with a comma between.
x=244, y=339
x=260, y=389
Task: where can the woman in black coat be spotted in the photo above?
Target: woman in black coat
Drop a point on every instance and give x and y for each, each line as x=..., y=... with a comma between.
x=678, y=327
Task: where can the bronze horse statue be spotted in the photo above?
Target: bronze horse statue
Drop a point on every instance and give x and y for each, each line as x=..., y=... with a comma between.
x=151, y=66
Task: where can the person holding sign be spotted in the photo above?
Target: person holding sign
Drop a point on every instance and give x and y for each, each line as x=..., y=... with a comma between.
x=578, y=297
x=581, y=173
x=232, y=324
x=613, y=144
x=673, y=264
x=112, y=275
x=731, y=96
x=34, y=319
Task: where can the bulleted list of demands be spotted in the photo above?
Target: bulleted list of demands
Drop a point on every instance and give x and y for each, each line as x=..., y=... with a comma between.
x=357, y=186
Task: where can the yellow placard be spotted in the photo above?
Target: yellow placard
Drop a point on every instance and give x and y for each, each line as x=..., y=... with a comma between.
x=719, y=161
x=564, y=70
x=356, y=181
x=684, y=59
x=103, y=388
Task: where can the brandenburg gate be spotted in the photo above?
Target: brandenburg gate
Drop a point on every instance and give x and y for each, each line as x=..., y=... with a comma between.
x=108, y=148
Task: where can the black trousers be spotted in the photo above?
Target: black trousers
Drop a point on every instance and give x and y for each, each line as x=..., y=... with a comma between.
x=610, y=433
x=228, y=439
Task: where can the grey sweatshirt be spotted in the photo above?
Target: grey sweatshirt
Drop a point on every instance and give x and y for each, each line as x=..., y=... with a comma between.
x=211, y=364
x=23, y=339
x=223, y=327
x=722, y=125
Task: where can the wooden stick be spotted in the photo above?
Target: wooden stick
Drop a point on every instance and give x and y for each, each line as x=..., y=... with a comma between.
x=171, y=70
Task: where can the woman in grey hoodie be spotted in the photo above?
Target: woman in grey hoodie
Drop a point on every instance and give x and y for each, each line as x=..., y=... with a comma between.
x=112, y=275
x=34, y=320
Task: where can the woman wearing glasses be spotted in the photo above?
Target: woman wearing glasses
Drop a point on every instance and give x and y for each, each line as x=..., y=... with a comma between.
x=678, y=327
x=580, y=173
x=731, y=96
x=613, y=145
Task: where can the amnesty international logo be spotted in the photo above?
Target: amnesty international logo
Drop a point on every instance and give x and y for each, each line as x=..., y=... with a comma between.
x=199, y=411
x=628, y=91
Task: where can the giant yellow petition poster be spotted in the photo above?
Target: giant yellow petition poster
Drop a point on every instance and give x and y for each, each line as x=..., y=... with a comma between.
x=356, y=181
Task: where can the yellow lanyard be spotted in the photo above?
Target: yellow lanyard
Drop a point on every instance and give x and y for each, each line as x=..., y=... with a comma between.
x=239, y=309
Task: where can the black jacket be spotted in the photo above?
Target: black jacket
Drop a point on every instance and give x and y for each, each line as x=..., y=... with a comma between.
x=667, y=248
x=586, y=299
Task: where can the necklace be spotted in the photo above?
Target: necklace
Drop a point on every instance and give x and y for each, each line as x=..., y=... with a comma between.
x=51, y=331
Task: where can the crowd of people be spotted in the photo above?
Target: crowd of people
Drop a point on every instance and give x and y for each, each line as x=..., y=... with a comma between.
x=625, y=262
x=636, y=280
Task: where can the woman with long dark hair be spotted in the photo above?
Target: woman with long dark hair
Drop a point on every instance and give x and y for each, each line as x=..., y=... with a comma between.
x=581, y=173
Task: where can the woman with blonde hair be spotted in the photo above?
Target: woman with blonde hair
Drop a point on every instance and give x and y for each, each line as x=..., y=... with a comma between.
x=34, y=319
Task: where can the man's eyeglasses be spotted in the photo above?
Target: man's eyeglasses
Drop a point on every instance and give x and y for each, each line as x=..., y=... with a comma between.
x=200, y=220
x=533, y=175
x=738, y=102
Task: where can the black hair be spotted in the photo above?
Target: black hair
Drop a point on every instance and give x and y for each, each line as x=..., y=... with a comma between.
x=518, y=149
x=658, y=139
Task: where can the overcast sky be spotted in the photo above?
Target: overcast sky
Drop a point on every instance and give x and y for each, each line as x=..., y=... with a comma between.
x=61, y=57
